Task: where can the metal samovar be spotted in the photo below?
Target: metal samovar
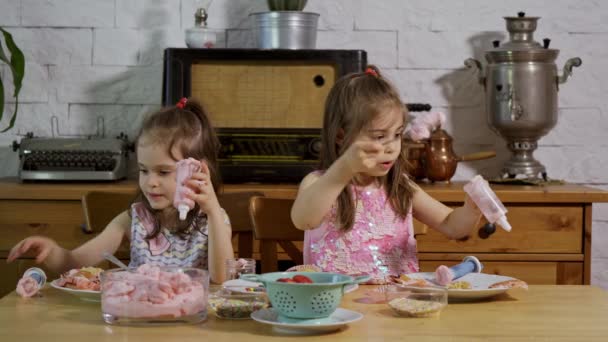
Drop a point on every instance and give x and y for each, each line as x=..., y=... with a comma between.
x=521, y=84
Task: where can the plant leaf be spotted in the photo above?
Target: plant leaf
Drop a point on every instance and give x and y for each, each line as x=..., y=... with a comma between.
x=13, y=118
x=17, y=62
x=3, y=55
x=1, y=99
x=5, y=60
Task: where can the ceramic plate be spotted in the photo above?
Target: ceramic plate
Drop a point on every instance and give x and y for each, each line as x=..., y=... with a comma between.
x=480, y=283
x=243, y=286
x=337, y=320
x=86, y=295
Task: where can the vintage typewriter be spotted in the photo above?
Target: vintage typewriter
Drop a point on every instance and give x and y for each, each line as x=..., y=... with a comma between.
x=73, y=157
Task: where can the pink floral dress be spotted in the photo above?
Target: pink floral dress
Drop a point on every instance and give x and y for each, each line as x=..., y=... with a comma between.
x=379, y=244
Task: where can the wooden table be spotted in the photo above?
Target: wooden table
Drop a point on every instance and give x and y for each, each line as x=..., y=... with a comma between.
x=543, y=313
x=550, y=242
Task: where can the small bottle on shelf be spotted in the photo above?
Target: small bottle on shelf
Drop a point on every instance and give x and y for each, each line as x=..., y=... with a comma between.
x=200, y=36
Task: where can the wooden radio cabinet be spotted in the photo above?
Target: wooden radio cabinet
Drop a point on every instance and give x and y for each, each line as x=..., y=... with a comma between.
x=550, y=242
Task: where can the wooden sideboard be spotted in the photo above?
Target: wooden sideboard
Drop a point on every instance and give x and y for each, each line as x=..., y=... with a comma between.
x=550, y=242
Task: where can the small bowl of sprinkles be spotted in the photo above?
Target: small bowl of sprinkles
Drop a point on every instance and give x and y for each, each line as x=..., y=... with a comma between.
x=419, y=302
x=228, y=304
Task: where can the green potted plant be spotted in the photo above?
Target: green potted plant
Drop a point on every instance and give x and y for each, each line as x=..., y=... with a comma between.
x=16, y=63
x=286, y=5
x=285, y=26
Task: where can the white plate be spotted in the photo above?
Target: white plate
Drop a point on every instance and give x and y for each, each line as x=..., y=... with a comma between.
x=243, y=286
x=86, y=295
x=335, y=321
x=480, y=283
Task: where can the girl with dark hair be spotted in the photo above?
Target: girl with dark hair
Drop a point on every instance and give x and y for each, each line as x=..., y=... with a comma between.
x=151, y=225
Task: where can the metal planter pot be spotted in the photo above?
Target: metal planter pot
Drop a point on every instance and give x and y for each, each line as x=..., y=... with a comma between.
x=285, y=29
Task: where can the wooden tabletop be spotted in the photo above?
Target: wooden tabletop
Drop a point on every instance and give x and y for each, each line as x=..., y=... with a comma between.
x=543, y=313
x=12, y=188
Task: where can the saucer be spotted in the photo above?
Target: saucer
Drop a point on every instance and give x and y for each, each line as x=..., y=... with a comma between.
x=337, y=320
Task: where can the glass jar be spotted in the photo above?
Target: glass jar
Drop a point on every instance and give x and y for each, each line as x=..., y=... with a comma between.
x=236, y=267
x=200, y=36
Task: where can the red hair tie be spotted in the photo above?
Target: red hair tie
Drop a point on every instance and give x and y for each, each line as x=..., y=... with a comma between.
x=371, y=71
x=181, y=103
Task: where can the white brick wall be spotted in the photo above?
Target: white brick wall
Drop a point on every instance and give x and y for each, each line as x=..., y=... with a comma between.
x=87, y=58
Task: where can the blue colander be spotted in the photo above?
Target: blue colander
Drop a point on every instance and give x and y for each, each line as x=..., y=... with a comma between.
x=305, y=301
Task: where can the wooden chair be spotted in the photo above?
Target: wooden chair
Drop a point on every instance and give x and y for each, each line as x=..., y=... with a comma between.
x=100, y=207
x=272, y=225
x=236, y=205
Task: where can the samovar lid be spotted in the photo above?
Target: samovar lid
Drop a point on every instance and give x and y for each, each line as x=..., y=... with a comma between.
x=521, y=47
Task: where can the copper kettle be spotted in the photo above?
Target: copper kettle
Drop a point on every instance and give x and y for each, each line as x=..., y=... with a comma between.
x=440, y=159
x=414, y=153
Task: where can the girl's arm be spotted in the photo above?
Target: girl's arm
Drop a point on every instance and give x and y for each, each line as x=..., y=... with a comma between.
x=454, y=223
x=317, y=194
x=60, y=260
x=219, y=232
x=220, y=244
x=91, y=252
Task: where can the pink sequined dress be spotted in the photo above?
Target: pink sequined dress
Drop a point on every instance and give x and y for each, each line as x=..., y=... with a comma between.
x=379, y=244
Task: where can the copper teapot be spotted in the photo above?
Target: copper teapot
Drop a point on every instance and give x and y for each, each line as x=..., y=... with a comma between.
x=414, y=153
x=440, y=161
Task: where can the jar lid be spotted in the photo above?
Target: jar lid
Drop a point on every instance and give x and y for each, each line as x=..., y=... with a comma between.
x=521, y=47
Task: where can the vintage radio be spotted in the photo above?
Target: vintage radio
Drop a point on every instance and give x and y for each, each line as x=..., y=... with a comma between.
x=267, y=105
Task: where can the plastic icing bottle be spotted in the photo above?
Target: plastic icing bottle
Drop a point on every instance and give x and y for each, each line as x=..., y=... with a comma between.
x=486, y=200
x=38, y=275
x=445, y=275
x=185, y=169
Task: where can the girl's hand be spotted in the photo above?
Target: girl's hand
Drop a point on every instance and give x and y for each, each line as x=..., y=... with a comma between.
x=362, y=156
x=42, y=246
x=202, y=190
x=471, y=206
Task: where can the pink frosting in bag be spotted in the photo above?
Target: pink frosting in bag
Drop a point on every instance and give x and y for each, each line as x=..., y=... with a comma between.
x=443, y=275
x=27, y=287
x=185, y=169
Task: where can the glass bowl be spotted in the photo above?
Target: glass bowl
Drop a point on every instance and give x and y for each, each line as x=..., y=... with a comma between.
x=154, y=295
x=229, y=304
x=416, y=302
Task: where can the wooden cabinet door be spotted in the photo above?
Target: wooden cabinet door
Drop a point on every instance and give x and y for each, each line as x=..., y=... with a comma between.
x=536, y=229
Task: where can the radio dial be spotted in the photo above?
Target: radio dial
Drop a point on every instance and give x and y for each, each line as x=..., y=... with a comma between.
x=315, y=147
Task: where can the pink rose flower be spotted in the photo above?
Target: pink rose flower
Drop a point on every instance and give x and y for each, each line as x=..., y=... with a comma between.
x=27, y=287
x=423, y=125
x=419, y=132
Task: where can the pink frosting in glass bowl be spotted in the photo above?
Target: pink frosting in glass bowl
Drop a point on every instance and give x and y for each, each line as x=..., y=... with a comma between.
x=150, y=294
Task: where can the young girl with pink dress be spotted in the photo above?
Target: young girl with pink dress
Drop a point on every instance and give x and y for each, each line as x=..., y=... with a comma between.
x=357, y=209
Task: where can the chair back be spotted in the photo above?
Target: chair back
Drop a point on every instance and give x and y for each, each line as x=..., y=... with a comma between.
x=272, y=225
x=236, y=205
x=100, y=207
